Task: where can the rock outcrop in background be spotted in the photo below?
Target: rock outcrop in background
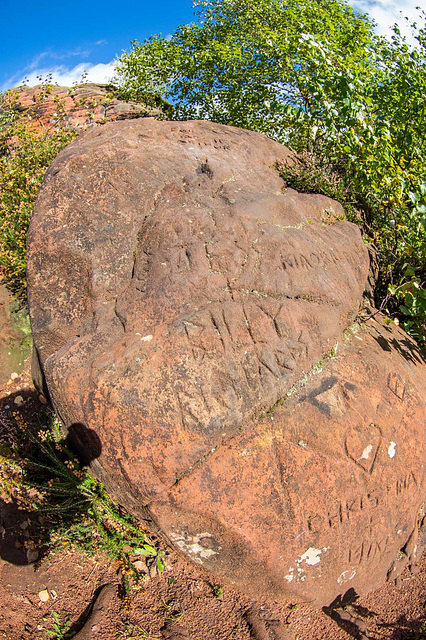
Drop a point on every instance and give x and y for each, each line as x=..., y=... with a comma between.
x=81, y=106
x=194, y=322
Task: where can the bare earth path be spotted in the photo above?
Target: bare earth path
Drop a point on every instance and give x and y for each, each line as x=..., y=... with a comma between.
x=37, y=588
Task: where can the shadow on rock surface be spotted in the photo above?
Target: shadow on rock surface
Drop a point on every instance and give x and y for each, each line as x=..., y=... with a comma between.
x=361, y=623
x=406, y=347
x=345, y=618
x=405, y=628
x=85, y=442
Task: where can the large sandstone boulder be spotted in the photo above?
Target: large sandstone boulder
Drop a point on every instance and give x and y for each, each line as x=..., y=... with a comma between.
x=194, y=321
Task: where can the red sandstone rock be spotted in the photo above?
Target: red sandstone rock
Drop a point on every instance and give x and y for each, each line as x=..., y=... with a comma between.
x=81, y=106
x=325, y=493
x=177, y=292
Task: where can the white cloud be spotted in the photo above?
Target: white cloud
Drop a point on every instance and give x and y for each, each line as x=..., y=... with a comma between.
x=387, y=12
x=35, y=62
x=100, y=73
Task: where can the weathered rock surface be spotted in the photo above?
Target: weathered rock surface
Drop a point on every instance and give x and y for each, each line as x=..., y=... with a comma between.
x=177, y=292
x=81, y=106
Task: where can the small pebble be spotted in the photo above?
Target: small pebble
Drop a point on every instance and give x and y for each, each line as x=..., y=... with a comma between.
x=44, y=595
x=18, y=400
x=14, y=375
x=32, y=555
x=141, y=566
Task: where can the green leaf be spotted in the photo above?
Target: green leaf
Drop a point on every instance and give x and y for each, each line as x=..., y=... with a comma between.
x=146, y=550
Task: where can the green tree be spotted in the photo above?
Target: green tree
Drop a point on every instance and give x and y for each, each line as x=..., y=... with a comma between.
x=244, y=63
x=369, y=126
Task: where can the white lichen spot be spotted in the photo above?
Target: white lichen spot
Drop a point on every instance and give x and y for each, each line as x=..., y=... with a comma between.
x=311, y=556
x=289, y=577
x=302, y=443
x=366, y=453
x=193, y=545
x=392, y=449
x=207, y=553
x=146, y=338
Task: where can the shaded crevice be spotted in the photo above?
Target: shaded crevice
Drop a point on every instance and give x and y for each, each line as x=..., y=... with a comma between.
x=81, y=628
x=119, y=316
x=297, y=297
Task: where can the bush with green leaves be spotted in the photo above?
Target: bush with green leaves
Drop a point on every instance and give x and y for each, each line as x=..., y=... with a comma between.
x=313, y=75
x=370, y=127
x=27, y=147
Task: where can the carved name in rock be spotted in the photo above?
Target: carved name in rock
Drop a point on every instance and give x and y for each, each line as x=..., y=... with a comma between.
x=190, y=292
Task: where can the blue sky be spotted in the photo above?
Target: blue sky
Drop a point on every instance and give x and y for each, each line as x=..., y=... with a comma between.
x=41, y=37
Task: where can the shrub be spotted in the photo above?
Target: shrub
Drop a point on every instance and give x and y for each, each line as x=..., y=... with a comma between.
x=27, y=147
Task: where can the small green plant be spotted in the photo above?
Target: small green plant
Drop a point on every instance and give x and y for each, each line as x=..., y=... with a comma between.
x=314, y=173
x=218, y=591
x=59, y=631
x=152, y=552
x=41, y=473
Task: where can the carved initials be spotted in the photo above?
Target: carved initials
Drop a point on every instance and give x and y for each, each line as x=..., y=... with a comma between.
x=396, y=385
